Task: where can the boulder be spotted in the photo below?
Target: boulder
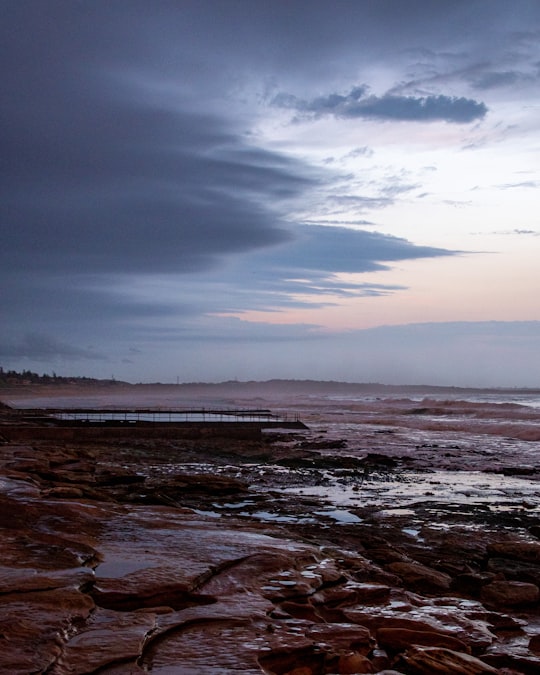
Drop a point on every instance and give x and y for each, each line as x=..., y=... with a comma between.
x=469, y=627
x=437, y=660
x=353, y=662
x=535, y=531
x=525, y=551
x=207, y=484
x=472, y=583
x=398, y=639
x=510, y=593
x=515, y=570
x=419, y=577
x=534, y=644
x=351, y=594
x=64, y=492
x=339, y=636
x=299, y=661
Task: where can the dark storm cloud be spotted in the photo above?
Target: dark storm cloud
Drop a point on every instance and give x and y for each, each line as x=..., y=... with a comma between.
x=103, y=176
x=135, y=189
x=99, y=174
x=358, y=103
x=128, y=150
x=42, y=347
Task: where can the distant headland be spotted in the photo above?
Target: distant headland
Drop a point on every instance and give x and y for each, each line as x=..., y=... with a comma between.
x=28, y=380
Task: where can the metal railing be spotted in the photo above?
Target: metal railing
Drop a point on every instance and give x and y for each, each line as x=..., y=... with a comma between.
x=152, y=415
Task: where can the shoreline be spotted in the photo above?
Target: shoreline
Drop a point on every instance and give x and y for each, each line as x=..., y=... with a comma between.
x=335, y=549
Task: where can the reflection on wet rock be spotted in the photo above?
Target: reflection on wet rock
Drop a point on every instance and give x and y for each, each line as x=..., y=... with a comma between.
x=394, y=536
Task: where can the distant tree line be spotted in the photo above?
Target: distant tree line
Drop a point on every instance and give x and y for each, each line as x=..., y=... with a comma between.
x=13, y=378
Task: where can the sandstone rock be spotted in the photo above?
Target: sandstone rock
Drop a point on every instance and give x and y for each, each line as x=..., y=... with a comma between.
x=384, y=554
x=176, y=591
x=228, y=645
x=304, y=661
x=45, y=551
x=210, y=484
x=269, y=572
x=512, y=663
x=118, y=476
x=106, y=637
x=351, y=593
x=398, y=639
x=380, y=659
x=124, y=669
x=535, y=531
x=14, y=580
x=175, y=596
x=515, y=570
x=64, y=492
x=472, y=583
x=534, y=644
x=519, y=471
x=353, y=662
x=234, y=632
x=32, y=625
x=75, y=462
x=23, y=465
x=526, y=551
x=367, y=572
x=468, y=623
x=339, y=596
x=342, y=637
x=419, y=577
x=510, y=593
x=433, y=660
x=302, y=610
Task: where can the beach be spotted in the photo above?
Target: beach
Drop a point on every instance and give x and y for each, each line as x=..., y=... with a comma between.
x=398, y=532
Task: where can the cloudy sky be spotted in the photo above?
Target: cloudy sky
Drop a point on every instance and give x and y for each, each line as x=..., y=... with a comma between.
x=219, y=189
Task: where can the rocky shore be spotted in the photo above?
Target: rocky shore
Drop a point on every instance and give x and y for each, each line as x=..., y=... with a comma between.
x=224, y=556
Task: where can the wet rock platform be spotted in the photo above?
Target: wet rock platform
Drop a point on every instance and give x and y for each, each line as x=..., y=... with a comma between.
x=284, y=555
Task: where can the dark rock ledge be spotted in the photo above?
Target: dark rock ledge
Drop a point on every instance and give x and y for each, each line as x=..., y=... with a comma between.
x=110, y=567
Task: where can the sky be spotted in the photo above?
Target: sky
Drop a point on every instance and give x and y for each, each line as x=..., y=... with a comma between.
x=254, y=189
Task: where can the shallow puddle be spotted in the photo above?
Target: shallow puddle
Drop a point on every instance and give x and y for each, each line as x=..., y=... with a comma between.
x=117, y=567
x=452, y=487
x=340, y=515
